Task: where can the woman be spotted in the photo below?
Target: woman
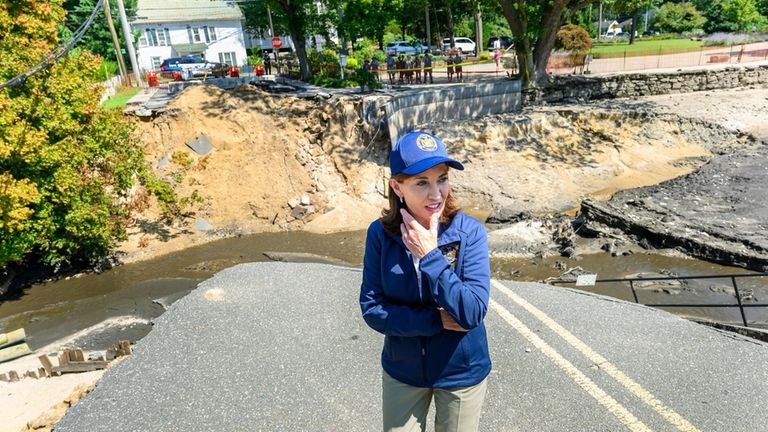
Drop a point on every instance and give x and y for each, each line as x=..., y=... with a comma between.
x=426, y=286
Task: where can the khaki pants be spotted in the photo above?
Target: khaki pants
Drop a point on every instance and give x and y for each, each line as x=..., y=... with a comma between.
x=405, y=407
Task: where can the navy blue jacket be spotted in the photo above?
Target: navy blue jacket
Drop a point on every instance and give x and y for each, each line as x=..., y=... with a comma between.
x=455, y=276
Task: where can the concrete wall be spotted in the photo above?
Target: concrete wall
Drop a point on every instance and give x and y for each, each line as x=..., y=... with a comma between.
x=422, y=106
x=644, y=84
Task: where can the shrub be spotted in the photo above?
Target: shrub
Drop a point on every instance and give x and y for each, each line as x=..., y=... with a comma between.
x=364, y=79
x=726, y=39
x=352, y=63
x=571, y=37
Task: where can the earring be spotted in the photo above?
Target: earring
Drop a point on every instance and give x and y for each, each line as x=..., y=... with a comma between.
x=402, y=201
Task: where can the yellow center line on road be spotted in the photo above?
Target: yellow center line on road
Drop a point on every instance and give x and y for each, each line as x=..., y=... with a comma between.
x=644, y=395
x=618, y=410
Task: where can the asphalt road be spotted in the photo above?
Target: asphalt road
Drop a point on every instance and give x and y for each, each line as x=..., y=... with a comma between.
x=282, y=347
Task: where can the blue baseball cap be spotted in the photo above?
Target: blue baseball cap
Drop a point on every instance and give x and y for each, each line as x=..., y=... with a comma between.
x=417, y=152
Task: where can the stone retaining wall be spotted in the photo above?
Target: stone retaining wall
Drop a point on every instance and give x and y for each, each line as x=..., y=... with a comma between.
x=646, y=84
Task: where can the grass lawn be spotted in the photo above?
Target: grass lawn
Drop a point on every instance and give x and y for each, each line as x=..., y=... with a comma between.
x=121, y=97
x=645, y=47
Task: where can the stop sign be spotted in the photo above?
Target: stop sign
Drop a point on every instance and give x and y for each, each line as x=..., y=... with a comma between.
x=277, y=42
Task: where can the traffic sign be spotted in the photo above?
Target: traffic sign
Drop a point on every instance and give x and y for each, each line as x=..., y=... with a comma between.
x=277, y=42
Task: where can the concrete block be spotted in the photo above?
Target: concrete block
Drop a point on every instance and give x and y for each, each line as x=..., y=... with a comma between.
x=200, y=145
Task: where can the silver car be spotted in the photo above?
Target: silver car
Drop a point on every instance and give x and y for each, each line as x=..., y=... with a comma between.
x=405, y=47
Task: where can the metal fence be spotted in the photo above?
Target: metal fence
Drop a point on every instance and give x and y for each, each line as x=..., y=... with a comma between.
x=569, y=63
x=732, y=277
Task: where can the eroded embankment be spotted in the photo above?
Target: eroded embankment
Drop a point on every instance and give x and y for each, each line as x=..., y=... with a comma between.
x=716, y=213
x=320, y=164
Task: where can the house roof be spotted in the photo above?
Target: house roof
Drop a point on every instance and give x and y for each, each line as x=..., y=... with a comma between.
x=606, y=24
x=167, y=11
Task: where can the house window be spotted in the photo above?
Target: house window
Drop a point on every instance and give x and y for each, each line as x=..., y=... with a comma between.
x=228, y=58
x=205, y=34
x=196, y=35
x=156, y=62
x=155, y=37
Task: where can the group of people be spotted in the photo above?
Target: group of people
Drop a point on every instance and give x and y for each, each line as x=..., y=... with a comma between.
x=407, y=69
x=454, y=62
x=417, y=69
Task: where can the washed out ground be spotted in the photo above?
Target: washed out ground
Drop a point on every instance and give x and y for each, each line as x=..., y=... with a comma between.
x=287, y=163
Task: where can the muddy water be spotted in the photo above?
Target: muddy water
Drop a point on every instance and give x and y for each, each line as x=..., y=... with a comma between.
x=94, y=310
x=121, y=302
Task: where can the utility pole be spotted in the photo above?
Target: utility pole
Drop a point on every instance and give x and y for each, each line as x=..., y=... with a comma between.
x=600, y=21
x=478, y=31
x=275, y=51
x=129, y=42
x=116, y=42
x=429, y=33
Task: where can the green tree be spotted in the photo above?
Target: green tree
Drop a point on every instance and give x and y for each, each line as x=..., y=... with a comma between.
x=633, y=8
x=534, y=26
x=97, y=40
x=762, y=7
x=297, y=18
x=742, y=15
x=67, y=165
x=367, y=18
x=678, y=18
x=731, y=15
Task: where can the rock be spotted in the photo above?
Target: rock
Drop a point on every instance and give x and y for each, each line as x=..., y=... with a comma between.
x=300, y=211
x=202, y=225
x=305, y=200
x=569, y=252
x=293, y=202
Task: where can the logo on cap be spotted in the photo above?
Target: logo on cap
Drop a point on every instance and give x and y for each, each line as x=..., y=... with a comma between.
x=426, y=143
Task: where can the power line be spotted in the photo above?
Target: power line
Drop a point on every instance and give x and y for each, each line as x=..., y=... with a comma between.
x=56, y=54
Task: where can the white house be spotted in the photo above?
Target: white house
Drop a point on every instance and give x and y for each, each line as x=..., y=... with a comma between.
x=211, y=29
x=609, y=27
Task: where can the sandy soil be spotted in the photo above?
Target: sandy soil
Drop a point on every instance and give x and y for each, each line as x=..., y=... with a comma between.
x=273, y=152
x=270, y=152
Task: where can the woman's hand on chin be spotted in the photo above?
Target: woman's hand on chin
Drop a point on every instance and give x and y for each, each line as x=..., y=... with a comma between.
x=419, y=240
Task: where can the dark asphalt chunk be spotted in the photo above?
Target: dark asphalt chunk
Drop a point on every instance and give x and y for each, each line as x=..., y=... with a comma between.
x=717, y=213
x=282, y=347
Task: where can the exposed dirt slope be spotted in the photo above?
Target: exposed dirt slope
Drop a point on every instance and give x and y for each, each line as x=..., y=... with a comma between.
x=290, y=163
x=279, y=163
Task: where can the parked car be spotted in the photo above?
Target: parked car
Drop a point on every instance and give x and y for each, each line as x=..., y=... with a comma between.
x=463, y=44
x=194, y=65
x=504, y=42
x=405, y=47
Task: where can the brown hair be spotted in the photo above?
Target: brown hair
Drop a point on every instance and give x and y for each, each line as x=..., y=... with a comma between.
x=391, y=217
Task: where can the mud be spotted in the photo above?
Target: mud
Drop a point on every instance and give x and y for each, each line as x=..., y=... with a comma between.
x=716, y=213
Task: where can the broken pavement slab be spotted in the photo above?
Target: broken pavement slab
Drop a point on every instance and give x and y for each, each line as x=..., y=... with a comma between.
x=716, y=213
x=200, y=145
x=283, y=346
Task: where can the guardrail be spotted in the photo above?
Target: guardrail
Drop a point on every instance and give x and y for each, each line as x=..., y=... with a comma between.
x=741, y=305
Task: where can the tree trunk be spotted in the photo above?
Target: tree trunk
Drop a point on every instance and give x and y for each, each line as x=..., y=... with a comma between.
x=301, y=54
x=297, y=31
x=633, y=27
x=450, y=28
x=532, y=59
x=478, y=30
